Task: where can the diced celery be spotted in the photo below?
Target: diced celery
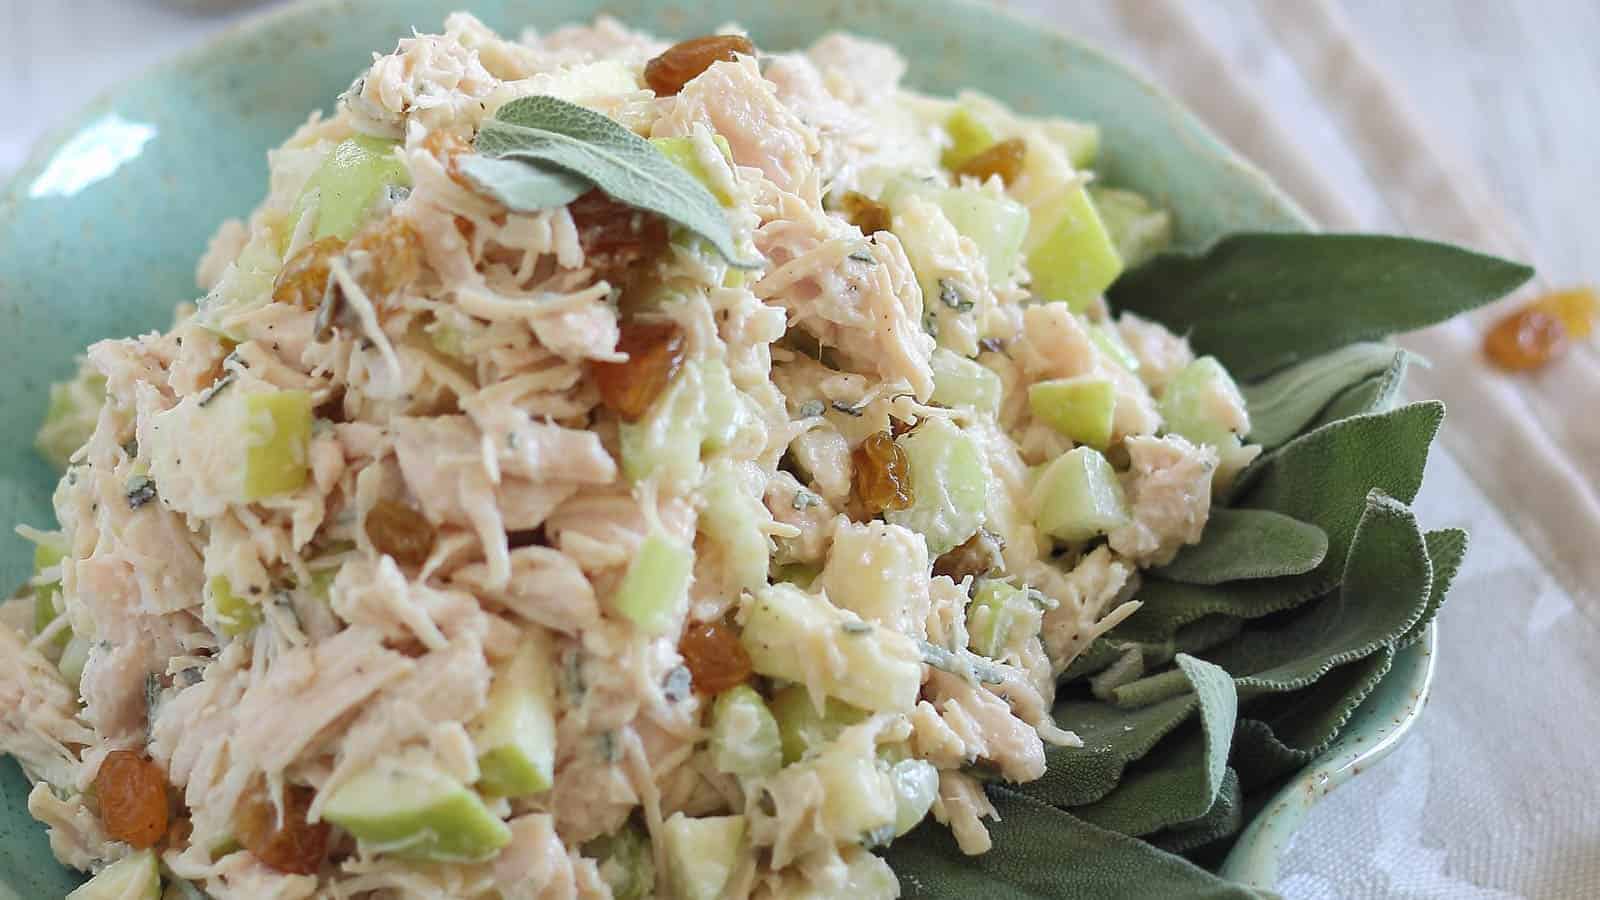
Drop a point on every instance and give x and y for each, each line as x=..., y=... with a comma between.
x=70, y=418
x=879, y=572
x=626, y=862
x=1081, y=140
x=969, y=136
x=348, y=182
x=1112, y=345
x=788, y=633
x=960, y=382
x=681, y=152
x=1079, y=408
x=74, y=658
x=1078, y=497
x=802, y=728
x=732, y=518
x=744, y=734
x=916, y=785
x=133, y=877
x=1195, y=398
x=516, y=736
x=999, y=618
x=701, y=854
x=1069, y=252
x=1138, y=229
x=654, y=593
x=950, y=482
x=411, y=809
x=233, y=615
x=278, y=438
x=701, y=409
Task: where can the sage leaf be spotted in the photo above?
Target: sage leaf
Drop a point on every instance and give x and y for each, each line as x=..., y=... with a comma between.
x=1240, y=544
x=1447, y=548
x=1223, y=819
x=522, y=187
x=1290, y=730
x=1033, y=846
x=1379, y=393
x=1263, y=301
x=1282, y=405
x=548, y=134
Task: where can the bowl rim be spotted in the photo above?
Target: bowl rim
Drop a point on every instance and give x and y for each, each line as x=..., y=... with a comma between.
x=1391, y=712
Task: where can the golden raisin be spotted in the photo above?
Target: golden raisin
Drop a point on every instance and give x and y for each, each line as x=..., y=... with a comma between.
x=716, y=659
x=615, y=236
x=394, y=256
x=133, y=799
x=865, y=213
x=1576, y=308
x=683, y=61
x=399, y=531
x=1526, y=339
x=882, y=477
x=1004, y=159
x=305, y=275
x=977, y=557
x=293, y=845
x=655, y=354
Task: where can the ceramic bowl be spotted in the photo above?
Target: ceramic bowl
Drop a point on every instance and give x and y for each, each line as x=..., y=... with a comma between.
x=100, y=232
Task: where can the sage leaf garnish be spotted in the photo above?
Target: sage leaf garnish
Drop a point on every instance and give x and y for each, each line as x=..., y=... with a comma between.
x=1260, y=302
x=523, y=187
x=550, y=135
x=1240, y=544
x=1283, y=404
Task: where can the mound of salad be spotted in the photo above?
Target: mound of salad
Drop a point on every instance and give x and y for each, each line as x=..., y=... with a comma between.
x=603, y=467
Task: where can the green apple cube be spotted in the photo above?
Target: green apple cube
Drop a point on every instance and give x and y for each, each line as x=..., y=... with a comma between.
x=516, y=735
x=1109, y=342
x=870, y=667
x=1069, y=252
x=1078, y=497
x=999, y=618
x=1080, y=408
x=234, y=615
x=701, y=854
x=655, y=591
x=1138, y=229
x=1192, y=398
x=71, y=417
x=700, y=410
x=410, y=809
x=732, y=518
x=950, y=482
x=277, y=442
x=744, y=735
x=916, y=786
x=969, y=135
x=626, y=862
x=348, y=182
x=1081, y=140
x=859, y=802
x=959, y=383
x=73, y=658
x=802, y=729
x=996, y=223
x=133, y=877
x=680, y=151
x=876, y=570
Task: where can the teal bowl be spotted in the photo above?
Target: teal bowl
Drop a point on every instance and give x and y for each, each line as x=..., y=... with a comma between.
x=100, y=232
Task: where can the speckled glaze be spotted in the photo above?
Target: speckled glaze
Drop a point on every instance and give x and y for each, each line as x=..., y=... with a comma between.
x=100, y=232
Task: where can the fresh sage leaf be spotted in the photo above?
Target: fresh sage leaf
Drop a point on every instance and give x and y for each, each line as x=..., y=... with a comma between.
x=1288, y=731
x=1241, y=544
x=523, y=187
x=1223, y=819
x=1034, y=845
x=1447, y=547
x=1379, y=393
x=551, y=134
x=1282, y=405
x=1263, y=301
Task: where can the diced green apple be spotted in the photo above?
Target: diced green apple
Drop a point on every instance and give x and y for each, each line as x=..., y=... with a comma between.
x=348, y=182
x=626, y=862
x=133, y=877
x=1078, y=497
x=859, y=801
x=516, y=735
x=1138, y=229
x=969, y=135
x=1109, y=342
x=1070, y=255
x=45, y=596
x=916, y=786
x=233, y=614
x=701, y=854
x=959, y=382
x=278, y=437
x=1080, y=408
x=681, y=152
x=744, y=735
x=654, y=592
x=732, y=517
x=1190, y=403
x=878, y=571
x=408, y=808
x=950, y=483
x=802, y=728
x=996, y=223
x=999, y=618
x=786, y=632
x=701, y=409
